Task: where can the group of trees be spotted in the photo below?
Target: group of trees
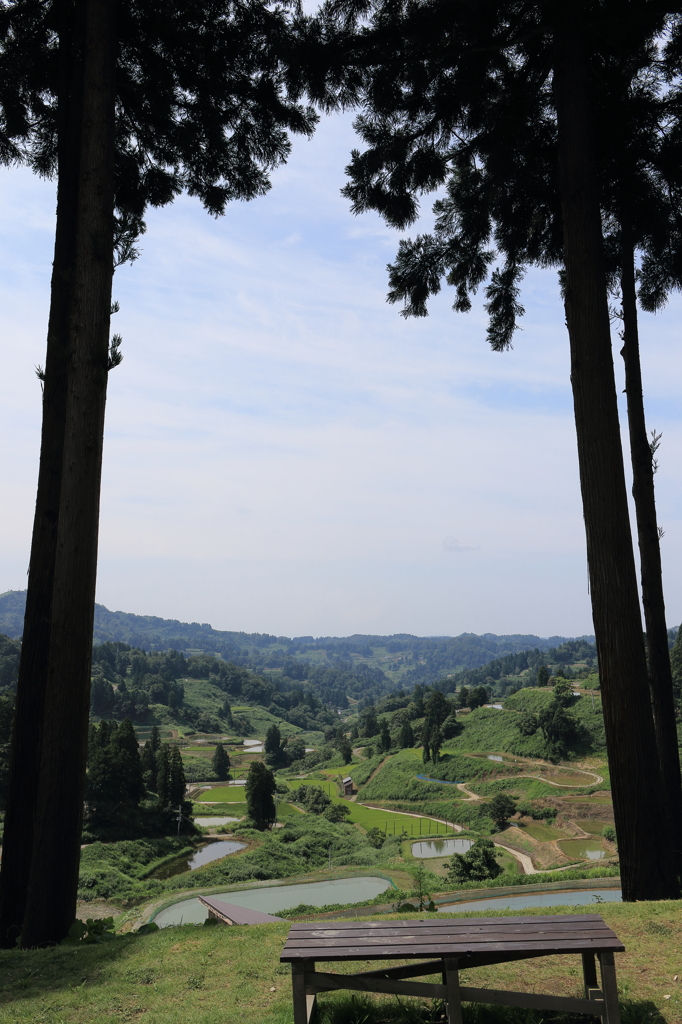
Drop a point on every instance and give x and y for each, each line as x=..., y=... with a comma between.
x=316, y=801
x=561, y=729
x=554, y=131
x=129, y=792
x=476, y=865
x=535, y=665
x=439, y=716
x=280, y=752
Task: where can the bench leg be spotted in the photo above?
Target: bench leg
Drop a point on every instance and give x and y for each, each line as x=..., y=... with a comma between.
x=609, y=988
x=592, y=990
x=304, y=1004
x=452, y=998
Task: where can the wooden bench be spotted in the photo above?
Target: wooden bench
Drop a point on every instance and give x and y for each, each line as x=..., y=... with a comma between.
x=453, y=945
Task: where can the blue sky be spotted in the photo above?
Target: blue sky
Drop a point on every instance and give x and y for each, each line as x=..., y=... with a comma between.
x=284, y=453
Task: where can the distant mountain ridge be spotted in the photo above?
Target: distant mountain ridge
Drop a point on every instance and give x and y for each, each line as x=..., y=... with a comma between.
x=416, y=659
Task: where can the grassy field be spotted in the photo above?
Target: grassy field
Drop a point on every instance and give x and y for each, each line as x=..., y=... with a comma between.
x=369, y=817
x=196, y=975
x=222, y=794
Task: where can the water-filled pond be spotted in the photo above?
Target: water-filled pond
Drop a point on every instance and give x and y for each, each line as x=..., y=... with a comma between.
x=214, y=821
x=271, y=899
x=588, y=849
x=441, y=847
x=583, y=898
x=204, y=855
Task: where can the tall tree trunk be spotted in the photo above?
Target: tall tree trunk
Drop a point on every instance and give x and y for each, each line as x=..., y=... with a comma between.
x=47, y=782
x=660, y=674
x=643, y=837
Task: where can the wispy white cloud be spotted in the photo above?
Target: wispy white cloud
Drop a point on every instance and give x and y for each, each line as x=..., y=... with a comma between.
x=285, y=453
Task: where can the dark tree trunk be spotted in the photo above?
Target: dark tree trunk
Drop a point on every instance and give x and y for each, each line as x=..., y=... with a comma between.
x=660, y=674
x=47, y=776
x=644, y=845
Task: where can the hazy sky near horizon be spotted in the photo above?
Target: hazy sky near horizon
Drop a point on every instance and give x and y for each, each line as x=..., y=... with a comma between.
x=284, y=453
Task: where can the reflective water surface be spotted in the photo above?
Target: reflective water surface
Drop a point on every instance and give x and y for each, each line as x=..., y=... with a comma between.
x=588, y=849
x=204, y=855
x=214, y=821
x=270, y=899
x=441, y=847
x=583, y=898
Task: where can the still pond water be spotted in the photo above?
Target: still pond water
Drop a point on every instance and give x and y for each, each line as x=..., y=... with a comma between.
x=202, y=856
x=273, y=898
x=588, y=849
x=583, y=898
x=440, y=847
x=214, y=821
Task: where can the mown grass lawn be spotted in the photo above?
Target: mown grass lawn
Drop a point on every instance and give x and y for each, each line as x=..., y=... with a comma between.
x=220, y=975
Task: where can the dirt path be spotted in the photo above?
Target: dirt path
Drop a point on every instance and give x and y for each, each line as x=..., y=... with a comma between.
x=377, y=769
x=471, y=796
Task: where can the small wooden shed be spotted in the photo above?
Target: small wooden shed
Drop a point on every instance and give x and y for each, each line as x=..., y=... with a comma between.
x=347, y=784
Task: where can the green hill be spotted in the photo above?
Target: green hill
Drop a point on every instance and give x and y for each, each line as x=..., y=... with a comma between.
x=488, y=729
x=379, y=664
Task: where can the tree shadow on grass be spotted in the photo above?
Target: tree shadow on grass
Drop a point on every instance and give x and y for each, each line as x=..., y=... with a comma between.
x=363, y=1010
x=34, y=972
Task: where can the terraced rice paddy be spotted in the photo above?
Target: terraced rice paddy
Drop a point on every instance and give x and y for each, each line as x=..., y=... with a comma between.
x=543, y=833
x=223, y=795
x=390, y=822
x=590, y=825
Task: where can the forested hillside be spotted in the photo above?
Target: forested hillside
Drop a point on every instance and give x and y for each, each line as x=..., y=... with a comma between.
x=363, y=664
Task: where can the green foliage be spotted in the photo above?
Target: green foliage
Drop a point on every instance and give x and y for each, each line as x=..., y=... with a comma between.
x=676, y=667
x=559, y=726
x=536, y=811
x=345, y=750
x=376, y=838
x=115, y=870
x=421, y=890
x=272, y=747
x=115, y=784
x=488, y=729
x=170, y=776
x=436, y=708
x=90, y=931
x=477, y=864
x=260, y=789
x=609, y=833
x=397, y=780
x=527, y=724
x=337, y=812
x=9, y=661
x=6, y=723
x=500, y=808
x=220, y=763
x=406, y=737
x=478, y=697
x=313, y=798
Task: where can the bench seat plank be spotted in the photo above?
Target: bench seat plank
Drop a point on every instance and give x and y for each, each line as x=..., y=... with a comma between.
x=408, y=939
